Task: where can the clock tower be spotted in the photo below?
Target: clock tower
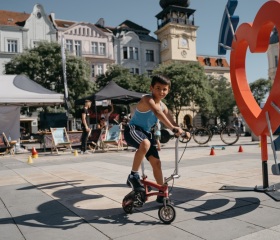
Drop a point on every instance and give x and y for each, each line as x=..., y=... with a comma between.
x=176, y=31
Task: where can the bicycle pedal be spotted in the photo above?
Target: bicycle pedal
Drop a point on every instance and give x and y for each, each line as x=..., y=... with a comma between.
x=176, y=176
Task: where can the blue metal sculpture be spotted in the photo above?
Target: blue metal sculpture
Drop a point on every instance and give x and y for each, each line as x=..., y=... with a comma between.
x=228, y=27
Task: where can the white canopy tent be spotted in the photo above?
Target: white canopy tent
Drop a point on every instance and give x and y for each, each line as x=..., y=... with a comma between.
x=17, y=91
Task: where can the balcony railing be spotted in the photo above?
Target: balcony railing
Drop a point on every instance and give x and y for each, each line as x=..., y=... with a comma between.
x=176, y=20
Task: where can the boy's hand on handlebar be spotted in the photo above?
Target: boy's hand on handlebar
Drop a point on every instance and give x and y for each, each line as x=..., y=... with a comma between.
x=177, y=131
x=186, y=135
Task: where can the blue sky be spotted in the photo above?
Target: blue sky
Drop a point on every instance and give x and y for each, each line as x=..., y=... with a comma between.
x=208, y=17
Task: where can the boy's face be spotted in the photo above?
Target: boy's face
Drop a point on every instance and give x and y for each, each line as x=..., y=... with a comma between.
x=160, y=90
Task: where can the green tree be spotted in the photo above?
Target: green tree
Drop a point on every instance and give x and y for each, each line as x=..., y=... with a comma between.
x=122, y=76
x=260, y=88
x=189, y=86
x=222, y=99
x=43, y=64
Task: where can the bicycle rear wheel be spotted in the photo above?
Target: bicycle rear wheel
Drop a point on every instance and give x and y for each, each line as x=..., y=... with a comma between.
x=201, y=135
x=229, y=135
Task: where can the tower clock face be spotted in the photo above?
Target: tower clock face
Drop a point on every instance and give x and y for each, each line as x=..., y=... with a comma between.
x=164, y=43
x=184, y=42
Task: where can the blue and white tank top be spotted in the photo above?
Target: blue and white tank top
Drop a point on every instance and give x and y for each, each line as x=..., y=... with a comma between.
x=145, y=120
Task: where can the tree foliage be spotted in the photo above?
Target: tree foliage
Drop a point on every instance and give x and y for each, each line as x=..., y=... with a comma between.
x=43, y=64
x=260, y=88
x=222, y=98
x=188, y=86
x=122, y=76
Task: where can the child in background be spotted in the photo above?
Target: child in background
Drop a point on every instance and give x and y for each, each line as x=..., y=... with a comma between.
x=157, y=134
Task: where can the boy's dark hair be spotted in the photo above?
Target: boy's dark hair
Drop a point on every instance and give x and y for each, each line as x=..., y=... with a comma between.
x=160, y=79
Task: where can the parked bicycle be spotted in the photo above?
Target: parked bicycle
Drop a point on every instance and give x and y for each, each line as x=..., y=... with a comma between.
x=200, y=135
x=228, y=134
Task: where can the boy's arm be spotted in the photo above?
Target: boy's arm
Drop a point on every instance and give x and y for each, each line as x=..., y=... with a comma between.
x=169, y=116
x=166, y=119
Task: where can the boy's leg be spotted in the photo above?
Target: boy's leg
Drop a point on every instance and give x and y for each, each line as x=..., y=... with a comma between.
x=134, y=178
x=156, y=165
x=140, y=154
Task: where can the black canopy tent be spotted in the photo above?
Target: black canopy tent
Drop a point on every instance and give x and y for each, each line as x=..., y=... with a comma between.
x=115, y=93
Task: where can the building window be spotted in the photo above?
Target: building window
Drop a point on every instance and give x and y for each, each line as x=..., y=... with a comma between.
x=134, y=70
x=100, y=69
x=149, y=55
x=69, y=45
x=149, y=73
x=36, y=43
x=102, y=48
x=207, y=61
x=219, y=62
x=12, y=46
x=92, y=71
x=131, y=53
x=136, y=54
x=94, y=48
x=276, y=61
x=78, y=48
x=125, y=54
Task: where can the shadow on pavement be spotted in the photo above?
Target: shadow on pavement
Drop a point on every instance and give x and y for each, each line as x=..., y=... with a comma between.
x=65, y=212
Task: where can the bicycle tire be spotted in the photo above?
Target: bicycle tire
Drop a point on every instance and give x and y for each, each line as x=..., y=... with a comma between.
x=201, y=136
x=229, y=135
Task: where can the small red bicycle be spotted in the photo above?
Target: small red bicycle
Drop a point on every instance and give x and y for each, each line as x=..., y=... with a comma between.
x=136, y=199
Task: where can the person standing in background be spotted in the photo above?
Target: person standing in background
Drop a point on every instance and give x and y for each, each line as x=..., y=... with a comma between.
x=85, y=126
x=237, y=122
x=157, y=134
x=106, y=113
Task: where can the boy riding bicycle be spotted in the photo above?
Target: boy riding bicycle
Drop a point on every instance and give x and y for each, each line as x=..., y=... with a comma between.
x=138, y=134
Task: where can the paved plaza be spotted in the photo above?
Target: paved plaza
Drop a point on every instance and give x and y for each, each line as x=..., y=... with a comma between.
x=79, y=197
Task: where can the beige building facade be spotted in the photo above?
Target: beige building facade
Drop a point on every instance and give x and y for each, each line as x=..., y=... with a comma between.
x=177, y=33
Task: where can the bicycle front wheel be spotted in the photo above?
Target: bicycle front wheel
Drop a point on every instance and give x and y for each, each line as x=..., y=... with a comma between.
x=229, y=135
x=201, y=136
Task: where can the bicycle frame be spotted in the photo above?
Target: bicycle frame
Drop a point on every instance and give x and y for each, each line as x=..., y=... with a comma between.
x=163, y=189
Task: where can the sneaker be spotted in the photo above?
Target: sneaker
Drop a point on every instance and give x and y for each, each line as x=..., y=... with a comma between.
x=160, y=199
x=134, y=182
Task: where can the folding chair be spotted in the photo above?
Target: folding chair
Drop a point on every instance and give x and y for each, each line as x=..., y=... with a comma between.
x=5, y=146
x=94, y=139
x=113, y=138
x=60, y=139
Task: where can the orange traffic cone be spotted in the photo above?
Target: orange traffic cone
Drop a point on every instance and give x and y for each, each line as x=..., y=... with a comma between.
x=34, y=153
x=212, y=152
x=240, y=149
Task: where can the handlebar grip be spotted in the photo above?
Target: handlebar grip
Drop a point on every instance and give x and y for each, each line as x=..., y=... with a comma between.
x=175, y=130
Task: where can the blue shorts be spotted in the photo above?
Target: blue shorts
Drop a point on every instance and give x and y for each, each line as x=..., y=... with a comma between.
x=134, y=135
